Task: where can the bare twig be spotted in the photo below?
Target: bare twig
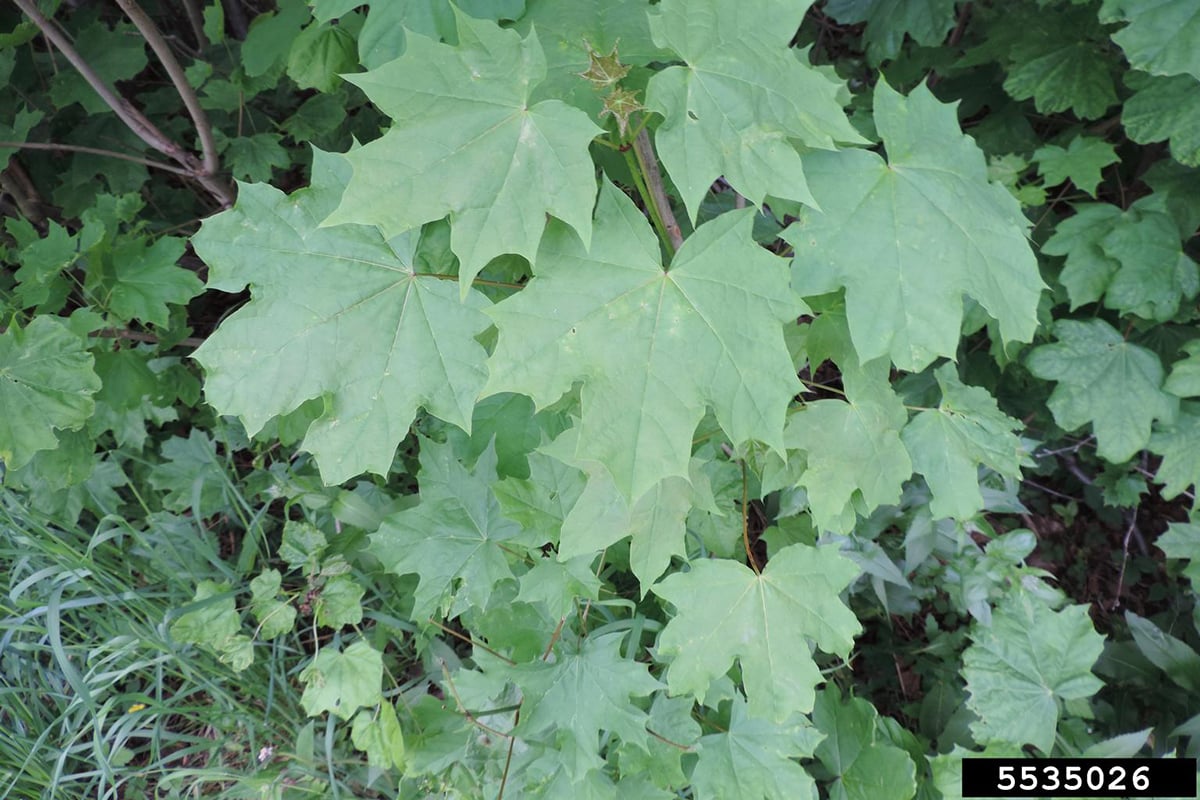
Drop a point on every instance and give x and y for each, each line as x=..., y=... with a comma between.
x=196, y=21
x=75, y=148
x=648, y=161
x=235, y=15
x=158, y=44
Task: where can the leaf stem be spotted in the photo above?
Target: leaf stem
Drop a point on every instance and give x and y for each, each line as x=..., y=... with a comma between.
x=648, y=162
x=635, y=171
x=746, y=522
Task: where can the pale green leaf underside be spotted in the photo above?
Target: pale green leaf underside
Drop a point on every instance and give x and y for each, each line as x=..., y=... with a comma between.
x=652, y=348
x=1105, y=381
x=466, y=143
x=907, y=238
x=46, y=384
x=1019, y=668
x=766, y=622
x=740, y=98
x=336, y=313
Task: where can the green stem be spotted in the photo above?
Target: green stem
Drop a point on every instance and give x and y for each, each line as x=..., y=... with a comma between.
x=635, y=169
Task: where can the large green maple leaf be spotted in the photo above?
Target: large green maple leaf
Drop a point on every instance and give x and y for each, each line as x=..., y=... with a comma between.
x=1179, y=445
x=1105, y=381
x=1162, y=37
x=467, y=143
x=947, y=445
x=855, y=457
x=908, y=237
x=1165, y=109
x=337, y=313
x=768, y=622
x=739, y=98
x=453, y=538
x=753, y=759
x=46, y=385
x=652, y=347
x=583, y=693
x=890, y=22
x=1021, y=666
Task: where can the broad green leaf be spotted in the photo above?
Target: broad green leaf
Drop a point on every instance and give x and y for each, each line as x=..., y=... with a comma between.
x=1182, y=541
x=302, y=546
x=191, y=476
x=319, y=54
x=337, y=313
x=582, y=694
x=541, y=502
x=253, y=157
x=43, y=259
x=1162, y=37
x=113, y=54
x=567, y=30
x=671, y=718
x=948, y=444
x=1105, y=381
x=46, y=384
x=740, y=99
x=1024, y=664
x=275, y=617
x=1089, y=269
x=214, y=622
x=385, y=34
x=339, y=602
x=755, y=759
x=380, y=737
x=889, y=22
x=466, y=143
x=1080, y=162
x=863, y=768
x=1173, y=656
x=855, y=457
x=1179, y=446
x=341, y=682
x=1184, y=380
x=767, y=622
x=1155, y=274
x=652, y=348
x=1165, y=109
x=147, y=279
x=560, y=584
x=1062, y=62
x=325, y=10
x=453, y=539
x=909, y=236
x=271, y=36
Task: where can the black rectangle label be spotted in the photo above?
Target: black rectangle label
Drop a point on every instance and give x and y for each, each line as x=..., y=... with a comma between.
x=1079, y=777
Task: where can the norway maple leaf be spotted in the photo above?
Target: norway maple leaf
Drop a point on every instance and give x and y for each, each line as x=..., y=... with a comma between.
x=452, y=539
x=337, y=313
x=768, y=622
x=1105, y=381
x=739, y=98
x=908, y=237
x=652, y=347
x=467, y=143
x=1162, y=37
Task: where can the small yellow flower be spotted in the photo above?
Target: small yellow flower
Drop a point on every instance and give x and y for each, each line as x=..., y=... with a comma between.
x=135, y=707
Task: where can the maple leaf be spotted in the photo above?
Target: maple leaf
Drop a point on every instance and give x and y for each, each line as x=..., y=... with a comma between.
x=739, y=99
x=1179, y=445
x=890, y=22
x=909, y=236
x=1079, y=162
x=46, y=385
x=338, y=313
x=768, y=622
x=1088, y=361
x=341, y=682
x=1021, y=666
x=1162, y=37
x=467, y=143
x=452, y=539
x=1162, y=109
x=754, y=758
x=947, y=445
x=864, y=768
x=384, y=35
x=147, y=280
x=651, y=347
x=1184, y=380
x=583, y=693
x=853, y=451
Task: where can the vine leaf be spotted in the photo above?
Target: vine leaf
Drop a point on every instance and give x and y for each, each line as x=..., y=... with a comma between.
x=583, y=693
x=947, y=445
x=909, y=236
x=1162, y=37
x=453, y=538
x=467, y=143
x=740, y=97
x=855, y=457
x=46, y=384
x=724, y=611
x=1021, y=666
x=652, y=348
x=754, y=758
x=337, y=313
x=1088, y=361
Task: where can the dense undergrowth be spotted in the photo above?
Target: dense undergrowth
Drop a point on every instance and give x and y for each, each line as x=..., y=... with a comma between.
x=721, y=398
